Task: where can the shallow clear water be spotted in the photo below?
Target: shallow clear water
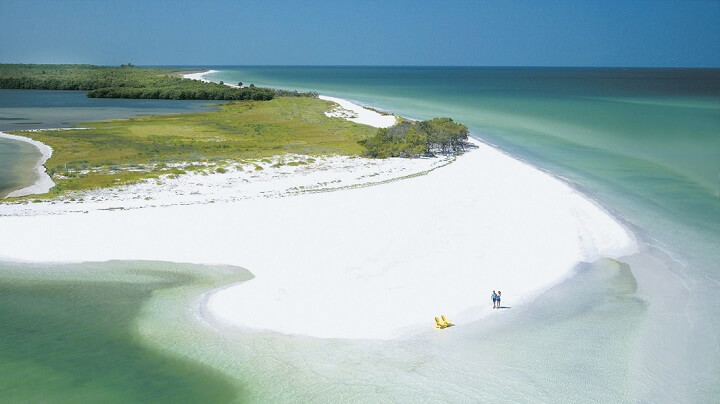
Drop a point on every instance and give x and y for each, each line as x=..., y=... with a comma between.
x=69, y=334
x=17, y=165
x=535, y=353
x=644, y=143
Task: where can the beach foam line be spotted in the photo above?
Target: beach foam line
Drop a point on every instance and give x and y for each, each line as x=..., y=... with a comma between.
x=43, y=182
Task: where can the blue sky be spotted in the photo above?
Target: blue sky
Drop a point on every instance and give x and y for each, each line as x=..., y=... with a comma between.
x=441, y=32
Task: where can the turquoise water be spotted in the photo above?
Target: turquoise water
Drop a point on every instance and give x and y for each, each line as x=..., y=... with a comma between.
x=69, y=334
x=579, y=123
x=644, y=143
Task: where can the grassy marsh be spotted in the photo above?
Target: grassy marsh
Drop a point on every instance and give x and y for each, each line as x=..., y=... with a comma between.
x=111, y=153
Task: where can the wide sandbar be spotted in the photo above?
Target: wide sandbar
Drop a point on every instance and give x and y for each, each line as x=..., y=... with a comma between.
x=375, y=262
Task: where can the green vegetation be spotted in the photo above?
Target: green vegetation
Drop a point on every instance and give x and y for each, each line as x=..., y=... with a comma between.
x=263, y=123
x=125, y=151
x=412, y=139
x=127, y=82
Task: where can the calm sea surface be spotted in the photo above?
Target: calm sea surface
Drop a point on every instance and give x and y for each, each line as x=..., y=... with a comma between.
x=40, y=109
x=70, y=334
x=17, y=165
x=645, y=143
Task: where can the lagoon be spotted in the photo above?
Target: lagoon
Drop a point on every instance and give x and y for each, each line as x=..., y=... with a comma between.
x=42, y=109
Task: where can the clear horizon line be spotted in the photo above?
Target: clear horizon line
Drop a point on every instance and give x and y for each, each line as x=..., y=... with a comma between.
x=388, y=65
x=439, y=66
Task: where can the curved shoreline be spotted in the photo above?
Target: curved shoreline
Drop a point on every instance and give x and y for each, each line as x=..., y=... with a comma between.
x=330, y=254
x=358, y=114
x=630, y=248
x=43, y=183
x=354, y=106
x=356, y=263
x=199, y=76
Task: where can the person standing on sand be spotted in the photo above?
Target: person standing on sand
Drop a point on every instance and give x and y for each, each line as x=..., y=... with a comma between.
x=498, y=298
x=495, y=299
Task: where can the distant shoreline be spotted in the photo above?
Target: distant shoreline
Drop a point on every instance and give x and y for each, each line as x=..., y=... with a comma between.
x=198, y=75
x=346, y=109
x=201, y=77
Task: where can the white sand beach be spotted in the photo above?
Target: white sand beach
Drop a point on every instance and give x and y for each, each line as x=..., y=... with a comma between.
x=377, y=262
x=200, y=75
x=43, y=182
x=358, y=114
x=345, y=109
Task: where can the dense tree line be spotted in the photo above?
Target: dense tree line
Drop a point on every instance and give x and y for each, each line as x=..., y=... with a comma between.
x=295, y=93
x=182, y=92
x=127, y=81
x=413, y=139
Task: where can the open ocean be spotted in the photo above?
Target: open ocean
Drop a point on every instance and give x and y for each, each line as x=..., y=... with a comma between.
x=643, y=143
